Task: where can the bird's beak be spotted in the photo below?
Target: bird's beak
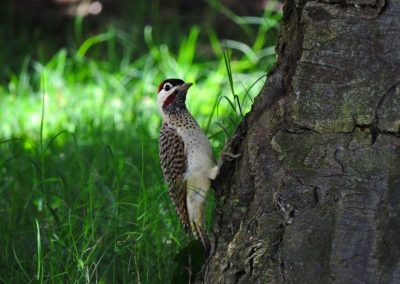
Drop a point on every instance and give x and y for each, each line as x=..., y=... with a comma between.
x=183, y=88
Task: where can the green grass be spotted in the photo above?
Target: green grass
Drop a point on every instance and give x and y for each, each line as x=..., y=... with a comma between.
x=82, y=199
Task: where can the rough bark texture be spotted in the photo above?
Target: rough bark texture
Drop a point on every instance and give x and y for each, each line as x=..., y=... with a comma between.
x=315, y=196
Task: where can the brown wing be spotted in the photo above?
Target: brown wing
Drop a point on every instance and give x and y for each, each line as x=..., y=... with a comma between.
x=173, y=164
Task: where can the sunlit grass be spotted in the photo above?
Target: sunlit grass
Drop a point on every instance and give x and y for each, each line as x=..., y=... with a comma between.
x=82, y=198
x=81, y=91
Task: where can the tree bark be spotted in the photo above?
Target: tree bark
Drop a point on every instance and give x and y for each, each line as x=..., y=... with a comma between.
x=315, y=196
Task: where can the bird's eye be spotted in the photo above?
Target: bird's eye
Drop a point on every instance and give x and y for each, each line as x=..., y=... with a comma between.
x=167, y=87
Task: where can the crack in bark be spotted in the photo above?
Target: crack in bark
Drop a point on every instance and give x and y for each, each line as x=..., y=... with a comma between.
x=351, y=3
x=315, y=189
x=373, y=127
x=300, y=129
x=368, y=10
x=239, y=274
x=250, y=259
x=390, y=91
x=316, y=195
x=338, y=160
x=283, y=272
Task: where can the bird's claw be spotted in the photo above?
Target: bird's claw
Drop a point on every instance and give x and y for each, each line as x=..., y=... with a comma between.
x=227, y=156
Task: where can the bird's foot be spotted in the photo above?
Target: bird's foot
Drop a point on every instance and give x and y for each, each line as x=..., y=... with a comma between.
x=225, y=157
x=228, y=156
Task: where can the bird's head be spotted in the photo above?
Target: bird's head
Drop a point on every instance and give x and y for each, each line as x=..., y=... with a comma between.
x=172, y=95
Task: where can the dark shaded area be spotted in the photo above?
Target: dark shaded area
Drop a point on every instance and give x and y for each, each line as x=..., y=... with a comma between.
x=314, y=197
x=48, y=25
x=189, y=261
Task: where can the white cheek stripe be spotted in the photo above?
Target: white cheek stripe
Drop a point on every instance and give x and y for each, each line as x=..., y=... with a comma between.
x=162, y=96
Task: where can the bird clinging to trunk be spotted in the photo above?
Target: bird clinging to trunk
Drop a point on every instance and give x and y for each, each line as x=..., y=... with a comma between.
x=186, y=158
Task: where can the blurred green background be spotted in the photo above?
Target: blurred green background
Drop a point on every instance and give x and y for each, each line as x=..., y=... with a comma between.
x=82, y=199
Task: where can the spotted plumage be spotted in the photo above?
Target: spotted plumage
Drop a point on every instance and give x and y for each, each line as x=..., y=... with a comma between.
x=173, y=163
x=186, y=158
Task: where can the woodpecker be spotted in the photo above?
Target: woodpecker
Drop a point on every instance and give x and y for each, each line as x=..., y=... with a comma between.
x=186, y=158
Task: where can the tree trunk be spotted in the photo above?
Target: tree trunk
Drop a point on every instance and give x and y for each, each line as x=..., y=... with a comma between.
x=315, y=196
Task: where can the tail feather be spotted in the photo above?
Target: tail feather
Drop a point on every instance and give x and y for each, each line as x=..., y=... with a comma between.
x=201, y=234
